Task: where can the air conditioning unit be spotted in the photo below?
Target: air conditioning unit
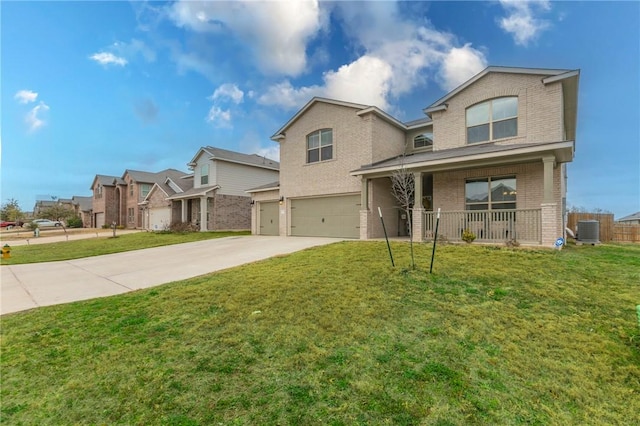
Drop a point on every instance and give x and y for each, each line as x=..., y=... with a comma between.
x=589, y=231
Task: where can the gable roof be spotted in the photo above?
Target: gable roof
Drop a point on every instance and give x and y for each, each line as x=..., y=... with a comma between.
x=106, y=180
x=262, y=188
x=568, y=78
x=220, y=154
x=361, y=110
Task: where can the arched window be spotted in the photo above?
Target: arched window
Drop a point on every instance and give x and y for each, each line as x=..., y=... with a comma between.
x=423, y=140
x=320, y=146
x=491, y=120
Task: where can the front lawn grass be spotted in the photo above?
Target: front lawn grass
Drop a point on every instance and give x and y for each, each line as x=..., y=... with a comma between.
x=66, y=250
x=334, y=335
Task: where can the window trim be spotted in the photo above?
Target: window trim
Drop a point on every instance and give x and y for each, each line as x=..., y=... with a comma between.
x=319, y=148
x=491, y=121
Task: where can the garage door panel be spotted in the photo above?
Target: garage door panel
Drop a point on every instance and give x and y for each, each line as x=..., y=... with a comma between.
x=326, y=216
x=99, y=220
x=159, y=219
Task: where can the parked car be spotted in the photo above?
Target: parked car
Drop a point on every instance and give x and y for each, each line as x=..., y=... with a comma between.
x=10, y=224
x=44, y=223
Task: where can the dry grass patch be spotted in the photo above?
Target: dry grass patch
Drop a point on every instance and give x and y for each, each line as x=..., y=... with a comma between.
x=334, y=335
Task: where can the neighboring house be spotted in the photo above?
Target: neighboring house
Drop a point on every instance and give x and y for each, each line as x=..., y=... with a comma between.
x=218, y=199
x=83, y=208
x=42, y=205
x=119, y=199
x=632, y=219
x=106, y=200
x=156, y=207
x=491, y=155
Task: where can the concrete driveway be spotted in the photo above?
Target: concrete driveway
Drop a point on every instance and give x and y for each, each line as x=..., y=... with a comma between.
x=51, y=283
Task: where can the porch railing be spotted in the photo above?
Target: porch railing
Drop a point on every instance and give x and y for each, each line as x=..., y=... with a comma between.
x=522, y=225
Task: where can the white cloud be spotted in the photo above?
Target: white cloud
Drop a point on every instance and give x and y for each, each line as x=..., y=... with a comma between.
x=276, y=32
x=398, y=56
x=133, y=48
x=521, y=20
x=229, y=91
x=106, y=58
x=366, y=80
x=219, y=117
x=34, y=118
x=285, y=95
x=460, y=64
x=26, y=96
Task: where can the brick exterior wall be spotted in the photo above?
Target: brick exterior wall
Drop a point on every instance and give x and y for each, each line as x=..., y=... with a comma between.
x=361, y=140
x=230, y=212
x=107, y=204
x=352, y=147
x=539, y=110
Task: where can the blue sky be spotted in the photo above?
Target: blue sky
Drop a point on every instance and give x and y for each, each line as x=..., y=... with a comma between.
x=100, y=87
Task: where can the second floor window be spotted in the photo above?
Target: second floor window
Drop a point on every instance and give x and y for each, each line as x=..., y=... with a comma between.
x=99, y=191
x=144, y=190
x=320, y=146
x=423, y=140
x=491, y=120
x=204, y=174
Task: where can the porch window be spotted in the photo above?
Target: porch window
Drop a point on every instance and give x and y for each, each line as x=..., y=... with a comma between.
x=491, y=120
x=423, y=140
x=493, y=193
x=320, y=146
x=204, y=174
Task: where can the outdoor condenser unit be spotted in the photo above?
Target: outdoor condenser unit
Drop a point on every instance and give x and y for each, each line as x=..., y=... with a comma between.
x=589, y=231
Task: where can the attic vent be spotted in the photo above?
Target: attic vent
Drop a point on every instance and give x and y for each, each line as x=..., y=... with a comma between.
x=589, y=231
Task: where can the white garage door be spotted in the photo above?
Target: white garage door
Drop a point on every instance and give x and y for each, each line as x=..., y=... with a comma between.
x=326, y=216
x=159, y=219
x=99, y=220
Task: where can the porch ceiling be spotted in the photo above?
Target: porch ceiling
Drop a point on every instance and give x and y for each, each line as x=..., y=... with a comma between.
x=471, y=156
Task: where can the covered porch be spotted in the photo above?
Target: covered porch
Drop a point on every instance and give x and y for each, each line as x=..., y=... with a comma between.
x=193, y=206
x=522, y=199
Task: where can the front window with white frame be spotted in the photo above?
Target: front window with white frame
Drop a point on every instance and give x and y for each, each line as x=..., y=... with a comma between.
x=492, y=120
x=320, y=146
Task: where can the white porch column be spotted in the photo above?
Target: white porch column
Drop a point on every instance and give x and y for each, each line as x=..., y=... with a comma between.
x=364, y=209
x=183, y=210
x=549, y=163
x=203, y=213
x=418, y=210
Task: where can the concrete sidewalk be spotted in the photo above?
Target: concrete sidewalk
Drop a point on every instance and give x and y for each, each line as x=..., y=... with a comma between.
x=51, y=283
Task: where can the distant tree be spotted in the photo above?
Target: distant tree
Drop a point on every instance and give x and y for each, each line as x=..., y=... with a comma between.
x=11, y=211
x=403, y=190
x=57, y=212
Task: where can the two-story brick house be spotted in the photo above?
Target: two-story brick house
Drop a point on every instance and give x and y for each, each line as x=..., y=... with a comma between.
x=218, y=199
x=491, y=155
x=118, y=199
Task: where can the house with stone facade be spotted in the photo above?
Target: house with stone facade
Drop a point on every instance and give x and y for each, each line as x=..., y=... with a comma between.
x=217, y=199
x=490, y=155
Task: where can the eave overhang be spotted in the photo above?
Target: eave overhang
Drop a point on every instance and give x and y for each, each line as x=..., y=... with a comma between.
x=436, y=161
x=194, y=193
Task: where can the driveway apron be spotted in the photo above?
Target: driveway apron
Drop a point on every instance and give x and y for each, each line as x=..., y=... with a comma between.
x=42, y=284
